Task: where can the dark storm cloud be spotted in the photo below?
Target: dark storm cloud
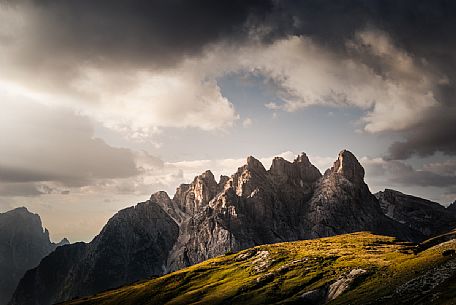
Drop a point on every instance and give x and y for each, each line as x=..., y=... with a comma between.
x=424, y=29
x=164, y=31
x=400, y=173
x=62, y=35
x=407, y=175
x=437, y=132
x=137, y=31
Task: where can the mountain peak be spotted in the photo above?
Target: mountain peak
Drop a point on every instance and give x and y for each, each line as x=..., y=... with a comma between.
x=23, y=243
x=277, y=162
x=204, y=188
x=207, y=175
x=189, y=197
x=302, y=158
x=160, y=196
x=301, y=170
x=20, y=210
x=348, y=166
x=63, y=242
x=254, y=164
x=206, y=179
x=281, y=167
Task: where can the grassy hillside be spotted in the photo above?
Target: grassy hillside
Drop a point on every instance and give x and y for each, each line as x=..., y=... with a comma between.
x=358, y=268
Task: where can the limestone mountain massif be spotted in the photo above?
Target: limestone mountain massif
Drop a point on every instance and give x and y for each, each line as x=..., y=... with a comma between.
x=290, y=201
x=23, y=243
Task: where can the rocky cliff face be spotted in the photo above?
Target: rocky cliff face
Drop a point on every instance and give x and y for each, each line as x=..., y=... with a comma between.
x=133, y=245
x=255, y=206
x=342, y=203
x=288, y=202
x=23, y=243
x=427, y=217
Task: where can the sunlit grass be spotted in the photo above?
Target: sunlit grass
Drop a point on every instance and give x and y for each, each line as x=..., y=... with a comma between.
x=292, y=268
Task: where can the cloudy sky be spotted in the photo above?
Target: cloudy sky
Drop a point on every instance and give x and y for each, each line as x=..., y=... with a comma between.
x=104, y=102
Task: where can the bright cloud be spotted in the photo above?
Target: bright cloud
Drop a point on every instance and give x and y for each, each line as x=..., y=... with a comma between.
x=309, y=75
x=172, y=98
x=139, y=103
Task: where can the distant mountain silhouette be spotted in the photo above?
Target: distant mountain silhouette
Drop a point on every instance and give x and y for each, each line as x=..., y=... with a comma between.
x=425, y=216
x=23, y=243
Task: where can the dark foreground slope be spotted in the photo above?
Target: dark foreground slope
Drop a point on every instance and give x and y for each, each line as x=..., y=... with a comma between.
x=358, y=268
x=290, y=201
x=23, y=243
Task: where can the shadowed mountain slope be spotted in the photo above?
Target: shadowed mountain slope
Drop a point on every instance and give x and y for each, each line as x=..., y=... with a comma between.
x=425, y=216
x=133, y=245
x=23, y=243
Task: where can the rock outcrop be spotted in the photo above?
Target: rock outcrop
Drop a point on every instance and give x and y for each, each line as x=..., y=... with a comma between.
x=23, y=243
x=288, y=202
x=425, y=216
x=343, y=283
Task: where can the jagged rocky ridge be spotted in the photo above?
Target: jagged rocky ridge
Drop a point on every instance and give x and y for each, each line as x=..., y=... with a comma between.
x=429, y=218
x=23, y=243
x=290, y=201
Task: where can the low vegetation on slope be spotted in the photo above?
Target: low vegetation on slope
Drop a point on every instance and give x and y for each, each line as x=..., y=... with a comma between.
x=358, y=268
